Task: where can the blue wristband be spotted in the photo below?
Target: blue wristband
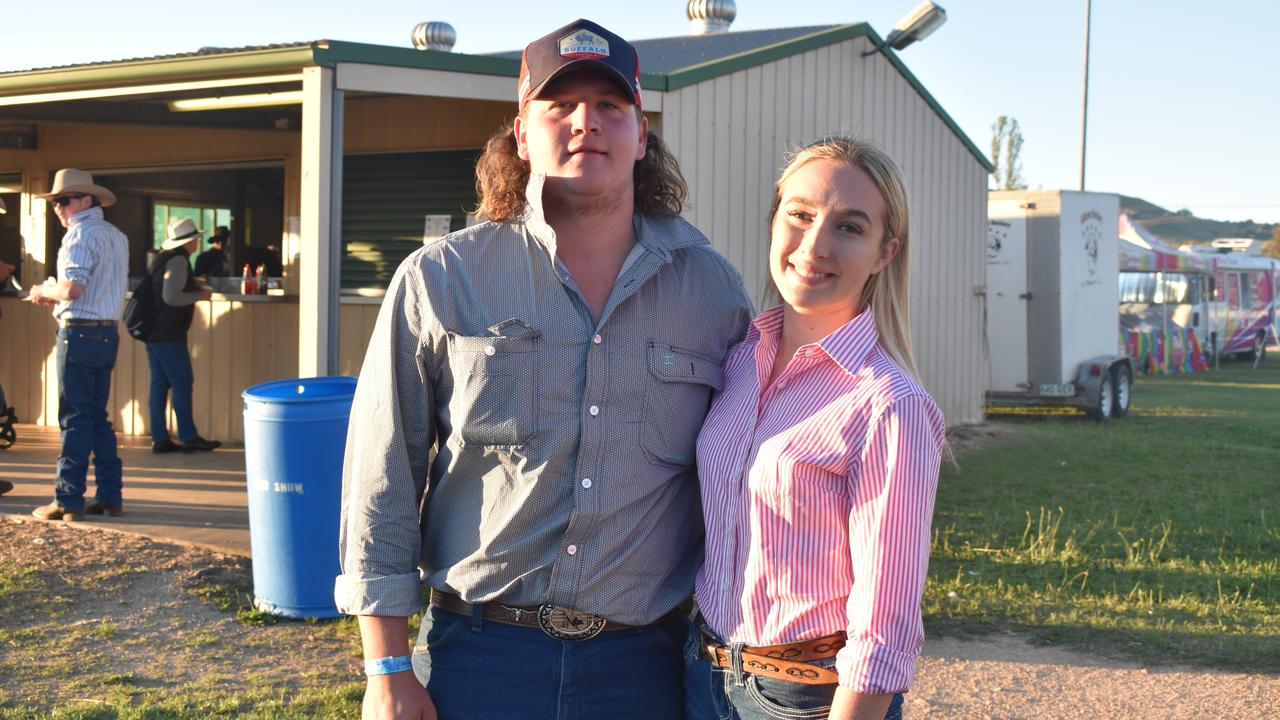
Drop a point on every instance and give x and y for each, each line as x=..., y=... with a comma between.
x=388, y=665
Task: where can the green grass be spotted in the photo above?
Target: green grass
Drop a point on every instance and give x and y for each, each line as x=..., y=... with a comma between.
x=1155, y=537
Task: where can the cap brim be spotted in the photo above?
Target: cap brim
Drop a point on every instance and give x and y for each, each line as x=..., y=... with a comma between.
x=586, y=64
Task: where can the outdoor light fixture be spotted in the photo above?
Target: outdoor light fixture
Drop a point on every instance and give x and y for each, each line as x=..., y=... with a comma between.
x=916, y=25
x=229, y=102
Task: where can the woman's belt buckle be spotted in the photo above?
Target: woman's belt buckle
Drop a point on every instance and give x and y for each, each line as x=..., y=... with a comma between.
x=566, y=624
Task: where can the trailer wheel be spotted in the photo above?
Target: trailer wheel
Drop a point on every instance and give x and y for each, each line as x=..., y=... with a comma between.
x=1103, y=409
x=1122, y=383
x=1259, y=349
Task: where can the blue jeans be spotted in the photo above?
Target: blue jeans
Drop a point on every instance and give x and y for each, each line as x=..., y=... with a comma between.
x=85, y=357
x=712, y=693
x=480, y=670
x=171, y=369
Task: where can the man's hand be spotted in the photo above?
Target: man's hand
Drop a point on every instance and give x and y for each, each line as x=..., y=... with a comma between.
x=398, y=696
x=51, y=293
x=36, y=296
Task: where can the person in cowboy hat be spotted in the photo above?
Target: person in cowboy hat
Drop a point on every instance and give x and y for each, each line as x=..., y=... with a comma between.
x=86, y=298
x=560, y=358
x=214, y=262
x=176, y=290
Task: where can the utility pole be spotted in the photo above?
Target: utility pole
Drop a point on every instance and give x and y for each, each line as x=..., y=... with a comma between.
x=1084, y=115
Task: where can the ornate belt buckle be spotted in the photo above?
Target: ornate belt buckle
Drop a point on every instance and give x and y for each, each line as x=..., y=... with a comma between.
x=565, y=624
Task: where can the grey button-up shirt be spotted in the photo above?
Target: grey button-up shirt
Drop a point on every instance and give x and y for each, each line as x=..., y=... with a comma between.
x=563, y=469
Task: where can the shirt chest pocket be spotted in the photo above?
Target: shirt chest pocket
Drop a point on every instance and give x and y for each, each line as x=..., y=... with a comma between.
x=678, y=393
x=494, y=377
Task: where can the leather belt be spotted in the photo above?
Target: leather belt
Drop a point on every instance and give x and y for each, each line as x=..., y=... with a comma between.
x=557, y=622
x=784, y=662
x=77, y=322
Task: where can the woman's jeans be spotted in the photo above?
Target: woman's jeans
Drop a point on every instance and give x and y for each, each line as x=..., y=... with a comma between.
x=85, y=357
x=171, y=369
x=475, y=669
x=712, y=693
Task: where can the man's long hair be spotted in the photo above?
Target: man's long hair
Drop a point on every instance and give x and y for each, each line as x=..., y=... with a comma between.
x=501, y=177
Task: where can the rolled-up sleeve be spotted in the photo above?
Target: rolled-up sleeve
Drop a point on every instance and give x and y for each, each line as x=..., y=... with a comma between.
x=384, y=474
x=889, y=525
x=79, y=257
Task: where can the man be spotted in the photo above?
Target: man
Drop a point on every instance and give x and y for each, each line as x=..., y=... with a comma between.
x=214, y=261
x=93, y=267
x=176, y=291
x=559, y=359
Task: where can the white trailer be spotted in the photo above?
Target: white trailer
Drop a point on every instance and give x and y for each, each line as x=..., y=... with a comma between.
x=1053, y=321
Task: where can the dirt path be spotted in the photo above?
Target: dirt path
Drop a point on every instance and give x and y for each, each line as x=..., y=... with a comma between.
x=122, y=610
x=1005, y=677
x=94, y=615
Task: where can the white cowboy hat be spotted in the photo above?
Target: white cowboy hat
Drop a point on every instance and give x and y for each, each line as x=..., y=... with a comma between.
x=70, y=181
x=180, y=232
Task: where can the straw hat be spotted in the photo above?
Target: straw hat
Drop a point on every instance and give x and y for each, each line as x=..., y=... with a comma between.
x=70, y=181
x=180, y=232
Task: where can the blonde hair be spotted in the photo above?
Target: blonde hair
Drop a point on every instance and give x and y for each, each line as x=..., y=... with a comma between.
x=887, y=291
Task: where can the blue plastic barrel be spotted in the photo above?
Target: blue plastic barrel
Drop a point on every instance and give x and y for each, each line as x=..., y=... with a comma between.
x=294, y=435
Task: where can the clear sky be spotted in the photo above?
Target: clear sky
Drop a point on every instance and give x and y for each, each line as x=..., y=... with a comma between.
x=1184, y=96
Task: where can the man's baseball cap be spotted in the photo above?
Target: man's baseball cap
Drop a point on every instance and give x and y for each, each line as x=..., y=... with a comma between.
x=580, y=44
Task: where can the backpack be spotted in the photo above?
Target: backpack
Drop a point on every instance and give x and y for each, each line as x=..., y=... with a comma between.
x=139, y=312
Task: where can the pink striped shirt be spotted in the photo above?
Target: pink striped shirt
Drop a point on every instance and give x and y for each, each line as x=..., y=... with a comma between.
x=826, y=477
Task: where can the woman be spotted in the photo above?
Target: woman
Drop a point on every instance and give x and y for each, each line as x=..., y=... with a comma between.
x=176, y=292
x=819, y=464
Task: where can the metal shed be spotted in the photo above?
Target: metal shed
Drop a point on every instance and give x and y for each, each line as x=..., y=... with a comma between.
x=729, y=105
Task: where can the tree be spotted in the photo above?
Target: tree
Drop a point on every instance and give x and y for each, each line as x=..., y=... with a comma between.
x=1006, y=154
x=1271, y=248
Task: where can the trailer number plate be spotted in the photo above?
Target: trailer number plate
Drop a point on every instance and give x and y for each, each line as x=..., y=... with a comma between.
x=1064, y=390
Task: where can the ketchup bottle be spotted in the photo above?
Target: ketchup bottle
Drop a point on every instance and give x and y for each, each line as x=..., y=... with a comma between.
x=248, y=283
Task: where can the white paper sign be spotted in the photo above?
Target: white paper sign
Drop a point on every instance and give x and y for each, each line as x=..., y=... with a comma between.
x=435, y=227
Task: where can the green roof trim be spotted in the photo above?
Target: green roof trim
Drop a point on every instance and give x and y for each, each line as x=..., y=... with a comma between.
x=158, y=70
x=769, y=53
x=336, y=51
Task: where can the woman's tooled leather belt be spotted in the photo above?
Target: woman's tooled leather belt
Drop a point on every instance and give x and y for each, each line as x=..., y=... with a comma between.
x=785, y=662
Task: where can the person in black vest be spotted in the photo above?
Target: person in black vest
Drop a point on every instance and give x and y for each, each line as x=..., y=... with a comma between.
x=176, y=292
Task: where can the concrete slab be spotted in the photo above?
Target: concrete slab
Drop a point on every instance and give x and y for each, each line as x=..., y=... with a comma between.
x=198, y=498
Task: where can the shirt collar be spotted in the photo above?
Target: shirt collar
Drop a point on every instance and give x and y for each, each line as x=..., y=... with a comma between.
x=847, y=346
x=90, y=213
x=658, y=235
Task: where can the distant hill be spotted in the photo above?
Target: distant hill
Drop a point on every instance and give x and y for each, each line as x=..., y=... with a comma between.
x=1181, y=227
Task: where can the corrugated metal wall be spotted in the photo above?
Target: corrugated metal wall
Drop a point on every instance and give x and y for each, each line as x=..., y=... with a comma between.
x=730, y=134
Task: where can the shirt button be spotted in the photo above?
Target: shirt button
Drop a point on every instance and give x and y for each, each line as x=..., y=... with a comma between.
x=594, y=410
x=572, y=549
x=586, y=482
x=488, y=350
x=597, y=339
